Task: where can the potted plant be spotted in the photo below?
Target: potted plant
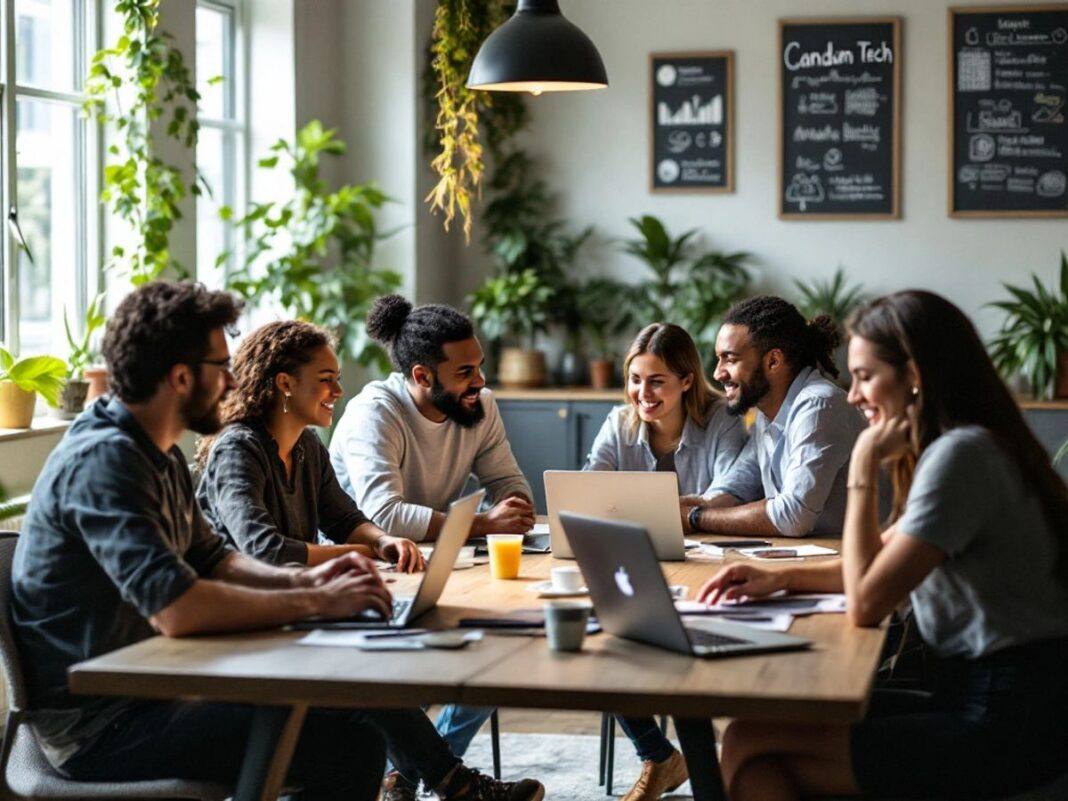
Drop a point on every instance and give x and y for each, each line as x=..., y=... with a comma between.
x=22, y=380
x=837, y=300
x=604, y=315
x=687, y=287
x=79, y=358
x=515, y=306
x=1033, y=338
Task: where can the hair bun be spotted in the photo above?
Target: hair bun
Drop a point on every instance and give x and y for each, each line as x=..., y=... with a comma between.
x=825, y=332
x=387, y=316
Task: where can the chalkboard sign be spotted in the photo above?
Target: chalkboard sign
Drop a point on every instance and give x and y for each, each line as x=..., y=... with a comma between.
x=692, y=114
x=1008, y=120
x=840, y=118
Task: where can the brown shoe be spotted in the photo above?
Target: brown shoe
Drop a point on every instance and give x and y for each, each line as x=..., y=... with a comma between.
x=396, y=788
x=658, y=778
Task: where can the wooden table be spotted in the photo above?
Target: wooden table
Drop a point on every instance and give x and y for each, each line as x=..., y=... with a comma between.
x=828, y=683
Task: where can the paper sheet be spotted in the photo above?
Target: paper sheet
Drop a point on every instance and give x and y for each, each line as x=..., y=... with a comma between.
x=801, y=552
x=777, y=622
x=410, y=640
x=780, y=603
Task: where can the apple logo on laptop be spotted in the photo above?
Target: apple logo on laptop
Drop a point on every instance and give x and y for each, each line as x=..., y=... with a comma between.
x=623, y=582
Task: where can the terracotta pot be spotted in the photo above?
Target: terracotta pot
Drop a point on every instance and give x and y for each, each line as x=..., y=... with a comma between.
x=16, y=406
x=98, y=381
x=602, y=373
x=1060, y=385
x=72, y=399
x=521, y=368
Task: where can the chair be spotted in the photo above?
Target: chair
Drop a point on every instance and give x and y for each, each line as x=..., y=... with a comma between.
x=607, y=762
x=24, y=771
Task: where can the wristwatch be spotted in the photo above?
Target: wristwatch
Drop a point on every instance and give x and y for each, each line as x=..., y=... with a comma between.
x=693, y=517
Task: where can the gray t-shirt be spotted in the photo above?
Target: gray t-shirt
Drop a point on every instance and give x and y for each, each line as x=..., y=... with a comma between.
x=248, y=499
x=997, y=587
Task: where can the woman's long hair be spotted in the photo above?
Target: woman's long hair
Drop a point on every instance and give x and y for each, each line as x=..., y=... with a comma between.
x=677, y=350
x=958, y=386
x=271, y=349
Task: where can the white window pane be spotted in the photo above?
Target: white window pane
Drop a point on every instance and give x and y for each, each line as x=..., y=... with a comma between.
x=216, y=165
x=213, y=50
x=48, y=186
x=46, y=44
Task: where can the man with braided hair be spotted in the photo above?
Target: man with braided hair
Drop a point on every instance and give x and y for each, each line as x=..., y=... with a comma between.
x=790, y=479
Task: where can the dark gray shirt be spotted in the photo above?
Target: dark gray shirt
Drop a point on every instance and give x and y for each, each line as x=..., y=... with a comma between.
x=247, y=498
x=112, y=536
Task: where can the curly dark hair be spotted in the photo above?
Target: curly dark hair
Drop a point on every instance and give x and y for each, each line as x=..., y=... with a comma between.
x=775, y=323
x=416, y=336
x=280, y=347
x=157, y=326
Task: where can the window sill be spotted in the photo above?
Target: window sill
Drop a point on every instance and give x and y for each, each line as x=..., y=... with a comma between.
x=42, y=425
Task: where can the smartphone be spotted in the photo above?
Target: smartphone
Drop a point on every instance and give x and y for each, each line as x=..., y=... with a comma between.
x=740, y=543
x=776, y=553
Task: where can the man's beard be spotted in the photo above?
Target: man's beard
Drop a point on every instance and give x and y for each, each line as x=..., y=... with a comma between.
x=201, y=412
x=450, y=405
x=750, y=393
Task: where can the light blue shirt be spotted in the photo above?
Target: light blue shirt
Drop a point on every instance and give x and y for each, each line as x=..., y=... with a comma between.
x=704, y=454
x=799, y=460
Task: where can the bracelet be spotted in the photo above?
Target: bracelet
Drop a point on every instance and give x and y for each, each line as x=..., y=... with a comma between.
x=693, y=517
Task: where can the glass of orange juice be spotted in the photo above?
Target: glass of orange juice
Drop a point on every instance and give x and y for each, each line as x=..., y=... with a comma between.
x=504, y=553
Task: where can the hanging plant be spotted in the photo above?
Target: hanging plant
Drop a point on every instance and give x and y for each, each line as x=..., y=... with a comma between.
x=462, y=117
x=138, y=81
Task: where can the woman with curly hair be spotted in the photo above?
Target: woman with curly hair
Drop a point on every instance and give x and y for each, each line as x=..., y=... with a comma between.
x=267, y=484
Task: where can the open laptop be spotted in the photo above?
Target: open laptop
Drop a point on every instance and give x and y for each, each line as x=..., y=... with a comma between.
x=452, y=537
x=632, y=600
x=650, y=499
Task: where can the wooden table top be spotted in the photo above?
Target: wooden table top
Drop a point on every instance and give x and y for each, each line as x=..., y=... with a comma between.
x=829, y=682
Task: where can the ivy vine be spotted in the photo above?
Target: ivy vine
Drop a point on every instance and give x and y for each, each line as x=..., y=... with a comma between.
x=136, y=82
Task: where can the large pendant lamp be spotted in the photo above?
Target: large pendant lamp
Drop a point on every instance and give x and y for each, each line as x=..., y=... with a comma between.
x=536, y=51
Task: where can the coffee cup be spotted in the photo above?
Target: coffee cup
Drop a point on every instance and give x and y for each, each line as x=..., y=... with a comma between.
x=566, y=579
x=565, y=624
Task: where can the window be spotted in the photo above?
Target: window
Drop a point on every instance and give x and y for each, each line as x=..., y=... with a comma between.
x=222, y=144
x=49, y=172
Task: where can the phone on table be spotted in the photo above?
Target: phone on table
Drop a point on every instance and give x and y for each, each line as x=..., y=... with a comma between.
x=740, y=543
x=776, y=553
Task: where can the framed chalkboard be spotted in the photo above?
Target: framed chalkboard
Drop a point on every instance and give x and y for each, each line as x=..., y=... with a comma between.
x=1008, y=113
x=840, y=118
x=691, y=109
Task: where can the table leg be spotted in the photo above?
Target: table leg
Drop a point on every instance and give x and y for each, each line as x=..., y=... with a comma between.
x=698, y=741
x=271, y=742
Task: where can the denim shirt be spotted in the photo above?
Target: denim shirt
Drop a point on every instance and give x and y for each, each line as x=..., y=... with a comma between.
x=112, y=536
x=799, y=460
x=704, y=454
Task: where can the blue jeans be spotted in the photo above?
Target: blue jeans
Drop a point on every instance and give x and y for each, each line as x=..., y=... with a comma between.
x=649, y=741
x=339, y=756
x=458, y=725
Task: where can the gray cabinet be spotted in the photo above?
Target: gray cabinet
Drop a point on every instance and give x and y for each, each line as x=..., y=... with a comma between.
x=550, y=435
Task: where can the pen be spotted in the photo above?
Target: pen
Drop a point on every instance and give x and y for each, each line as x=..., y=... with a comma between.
x=397, y=633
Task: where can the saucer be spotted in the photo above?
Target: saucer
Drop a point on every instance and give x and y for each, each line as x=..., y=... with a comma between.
x=544, y=589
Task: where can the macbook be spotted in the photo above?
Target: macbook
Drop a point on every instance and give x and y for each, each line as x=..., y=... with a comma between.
x=632, y=600
x=649, y=499
x=453, y=535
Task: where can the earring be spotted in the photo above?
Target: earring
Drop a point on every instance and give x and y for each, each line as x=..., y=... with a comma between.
x=285, y=404
x=915, y=391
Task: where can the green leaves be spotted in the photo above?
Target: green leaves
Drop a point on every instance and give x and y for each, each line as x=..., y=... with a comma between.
x=319, y=247
x=512, y=304
x=833, y=298
x=41, y=374
x=1034, y=331
x=82, y=353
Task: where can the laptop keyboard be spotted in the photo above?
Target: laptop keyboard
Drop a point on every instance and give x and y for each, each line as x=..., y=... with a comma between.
x=715, y=642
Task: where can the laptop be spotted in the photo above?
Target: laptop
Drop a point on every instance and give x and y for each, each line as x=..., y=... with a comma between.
x=453, y=535
x=650, y=499
x=632, y=600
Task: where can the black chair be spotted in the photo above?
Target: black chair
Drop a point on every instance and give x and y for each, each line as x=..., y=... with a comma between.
x=607, y=761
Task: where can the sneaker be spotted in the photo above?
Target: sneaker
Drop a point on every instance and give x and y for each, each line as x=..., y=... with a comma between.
x=469, y=785
x=396, y=788
x=658, y=778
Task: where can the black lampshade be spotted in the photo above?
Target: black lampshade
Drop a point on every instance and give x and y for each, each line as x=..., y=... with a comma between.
x=537, y=50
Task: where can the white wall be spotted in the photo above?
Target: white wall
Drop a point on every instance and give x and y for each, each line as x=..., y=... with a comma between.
x=594, y=148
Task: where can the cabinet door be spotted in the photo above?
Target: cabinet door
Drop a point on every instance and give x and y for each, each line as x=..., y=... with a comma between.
x=538, y=433
x=587, y=417
x=1051, y=428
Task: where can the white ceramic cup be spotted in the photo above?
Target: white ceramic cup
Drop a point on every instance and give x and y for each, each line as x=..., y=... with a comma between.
x=566, y=579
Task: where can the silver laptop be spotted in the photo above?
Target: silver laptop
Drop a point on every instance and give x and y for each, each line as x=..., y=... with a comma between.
x=650, y=499
x=452, y=537
x=632, y=600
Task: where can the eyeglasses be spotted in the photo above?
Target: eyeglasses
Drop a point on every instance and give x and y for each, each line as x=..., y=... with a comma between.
x=221, y=363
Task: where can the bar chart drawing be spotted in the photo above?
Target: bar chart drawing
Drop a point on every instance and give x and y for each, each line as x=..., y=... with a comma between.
x=692, y=112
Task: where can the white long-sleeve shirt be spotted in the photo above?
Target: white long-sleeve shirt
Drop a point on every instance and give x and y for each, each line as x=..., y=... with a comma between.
x=400, y=467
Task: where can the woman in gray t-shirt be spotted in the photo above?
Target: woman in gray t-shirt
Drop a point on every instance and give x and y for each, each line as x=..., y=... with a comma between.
x=978, y=542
